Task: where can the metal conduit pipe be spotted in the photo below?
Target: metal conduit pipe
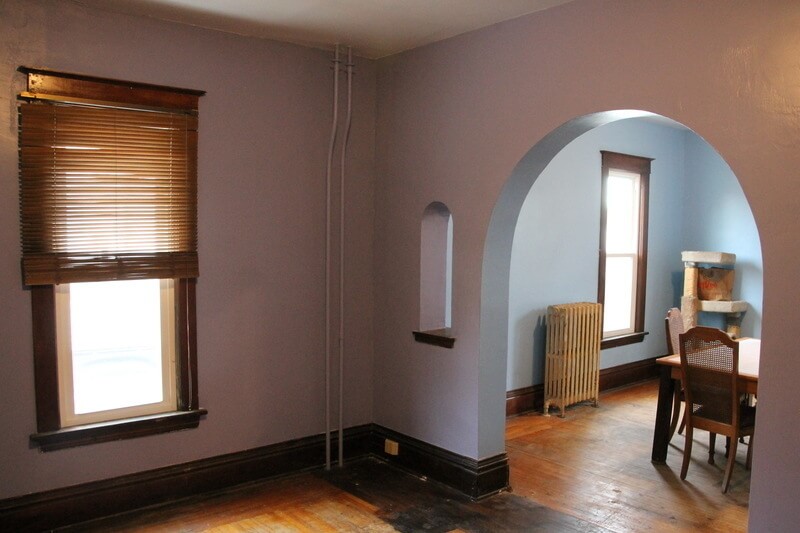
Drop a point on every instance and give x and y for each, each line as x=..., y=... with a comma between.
x=345, y=140
x=331, y=146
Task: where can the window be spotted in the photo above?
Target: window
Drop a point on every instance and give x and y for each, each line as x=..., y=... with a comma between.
x=108, y=218
x=436, y=276
x=623, y=247
x=116, y=349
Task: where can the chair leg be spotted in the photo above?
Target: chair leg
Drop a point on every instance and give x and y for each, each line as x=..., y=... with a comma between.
x=682, y=426
x=726, y=479
x=749, y=462
x=676, y=411
x=712, y=442
x=687, y=452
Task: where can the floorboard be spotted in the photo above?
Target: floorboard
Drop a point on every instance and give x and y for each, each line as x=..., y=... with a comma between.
x=593, y=464
x=587, y=472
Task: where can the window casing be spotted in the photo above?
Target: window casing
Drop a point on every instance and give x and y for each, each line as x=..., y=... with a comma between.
x=107, y=200
x=623, y=247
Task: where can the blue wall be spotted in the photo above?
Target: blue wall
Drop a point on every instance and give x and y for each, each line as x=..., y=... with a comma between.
x=554, y=258
x=718, y=217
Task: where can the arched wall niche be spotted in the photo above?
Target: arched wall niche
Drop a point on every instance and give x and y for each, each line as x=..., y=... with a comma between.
x=436, y=267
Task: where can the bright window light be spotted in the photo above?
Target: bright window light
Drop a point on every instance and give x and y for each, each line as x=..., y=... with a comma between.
x=622, y=226
x=619, y=306
x=120, y=345
x=622, y=242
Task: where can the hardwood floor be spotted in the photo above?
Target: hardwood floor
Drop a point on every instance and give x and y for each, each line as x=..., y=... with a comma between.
x=590, y=471
x=594, y=465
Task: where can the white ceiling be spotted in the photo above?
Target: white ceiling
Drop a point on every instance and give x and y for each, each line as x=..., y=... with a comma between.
x=374, y=28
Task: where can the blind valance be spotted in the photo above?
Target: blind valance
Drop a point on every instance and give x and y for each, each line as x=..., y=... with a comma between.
x=106, y=192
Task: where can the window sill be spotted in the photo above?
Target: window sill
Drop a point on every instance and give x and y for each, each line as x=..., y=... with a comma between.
x=623, y=340
x=437, y=337
x=117, y=429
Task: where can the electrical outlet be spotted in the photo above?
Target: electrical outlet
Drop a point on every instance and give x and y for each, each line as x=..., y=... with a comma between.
x=391, y=447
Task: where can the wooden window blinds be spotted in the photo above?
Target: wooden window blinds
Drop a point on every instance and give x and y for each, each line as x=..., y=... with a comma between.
x=108, y=184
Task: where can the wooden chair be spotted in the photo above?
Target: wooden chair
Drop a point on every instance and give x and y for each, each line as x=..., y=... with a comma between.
x=710, y=372
x=673, y=324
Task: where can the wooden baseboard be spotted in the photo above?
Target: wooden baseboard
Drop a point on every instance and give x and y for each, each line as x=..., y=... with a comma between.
x=475, y=478
x=525, y=399
x=89, y=501
x=619, y=376
x=532, y=398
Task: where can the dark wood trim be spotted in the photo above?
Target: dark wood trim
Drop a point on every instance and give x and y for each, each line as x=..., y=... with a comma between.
x=72, y=85
x=112, y=81
x=45, y=359
x=527, y=399
x=622, y=375
x=641, y=166
x=51, y=436
x=128, y=428
x=437, y=337
x=88, y=501
x=475, y=478
x=601, y=248
x=627, y=162
x=644, y=217
x=186, y=325
x=72, y=505
x=622, y=340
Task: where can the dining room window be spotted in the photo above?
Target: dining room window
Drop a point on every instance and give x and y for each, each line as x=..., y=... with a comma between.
x=623, y=247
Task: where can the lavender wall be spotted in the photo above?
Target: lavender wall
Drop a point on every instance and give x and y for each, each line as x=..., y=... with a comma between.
x=455, y=118
x=263, y=142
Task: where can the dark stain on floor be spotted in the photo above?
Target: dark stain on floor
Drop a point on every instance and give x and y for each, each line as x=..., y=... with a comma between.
x=411, y=504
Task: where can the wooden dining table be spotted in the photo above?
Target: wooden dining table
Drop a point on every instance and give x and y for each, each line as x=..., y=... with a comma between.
x=670, y=373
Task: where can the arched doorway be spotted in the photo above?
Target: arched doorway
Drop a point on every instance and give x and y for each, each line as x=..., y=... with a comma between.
x=497, y=266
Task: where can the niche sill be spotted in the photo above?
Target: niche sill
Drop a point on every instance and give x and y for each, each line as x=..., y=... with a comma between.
x=438, y=337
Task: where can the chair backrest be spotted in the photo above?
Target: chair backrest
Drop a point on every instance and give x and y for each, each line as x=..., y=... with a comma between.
x=709, y=367
x=674, y=326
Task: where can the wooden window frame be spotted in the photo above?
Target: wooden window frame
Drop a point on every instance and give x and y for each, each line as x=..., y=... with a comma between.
x=77, y=88
x=641, y=166
x=51, y=436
